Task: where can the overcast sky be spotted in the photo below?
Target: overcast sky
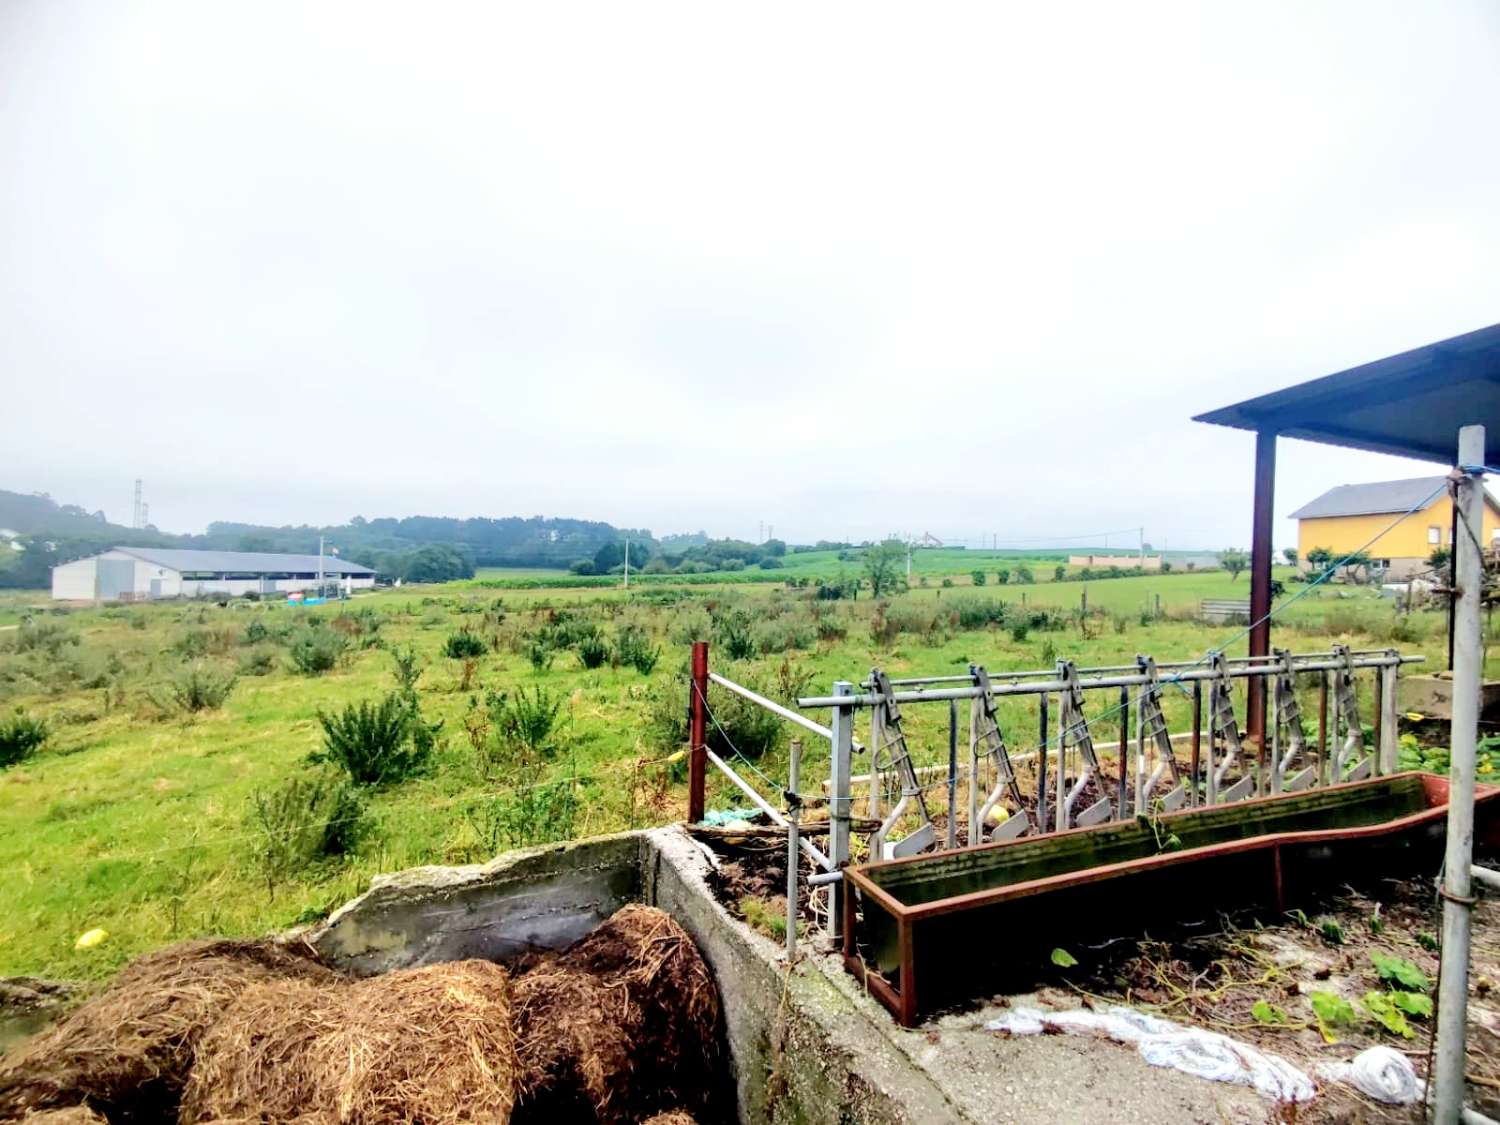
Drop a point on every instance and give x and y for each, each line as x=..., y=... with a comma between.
x=841, y=268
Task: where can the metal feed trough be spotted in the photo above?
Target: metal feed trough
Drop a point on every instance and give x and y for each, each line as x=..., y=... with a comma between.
x=1073, y=787
x=940, y=928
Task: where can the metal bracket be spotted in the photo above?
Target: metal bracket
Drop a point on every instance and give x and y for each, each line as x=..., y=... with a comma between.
x=1350, y=762
x=892, y=740
x=1224, y=726
x=989, y=744
x=1151, y=732
x=1288, y=743
x=1075, y=735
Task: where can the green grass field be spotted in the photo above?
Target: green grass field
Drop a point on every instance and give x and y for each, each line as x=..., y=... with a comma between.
x=134, y=816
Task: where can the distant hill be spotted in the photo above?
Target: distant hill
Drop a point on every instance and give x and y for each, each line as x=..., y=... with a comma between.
x=57, y=533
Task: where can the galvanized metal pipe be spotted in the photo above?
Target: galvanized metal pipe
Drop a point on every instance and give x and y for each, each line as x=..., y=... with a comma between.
x=775, y=708
x=1198, y=672
x=793, y=856
x=1457, y=888
x=912, y=681
x=807, y=846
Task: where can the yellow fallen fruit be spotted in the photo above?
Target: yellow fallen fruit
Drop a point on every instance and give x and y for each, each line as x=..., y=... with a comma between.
x=998, y=815
x=1415, y=716
x=677, y=757
x=90, y=938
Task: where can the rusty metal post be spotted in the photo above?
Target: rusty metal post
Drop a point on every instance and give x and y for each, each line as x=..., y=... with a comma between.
x=697, y=731
x=1260, y=579
x=1323, y=778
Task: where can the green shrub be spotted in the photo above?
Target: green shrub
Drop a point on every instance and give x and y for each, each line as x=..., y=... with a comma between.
x=1024, y=575
x=43, y=636
x=303, y=821
x=634, y=647
x=978, y=577
x=464, y=645
x=317, y=650
x=407, y=670
x=200, y=688
x=972, y=612
x=538, y=814
x=593, y=651
x=254, y=633
x=1002, y=576
x=376, y=743
x=21, y=736
x=527, y=721
x=257, y=662
x=737, y=724
x=732, y=633
x=1019, y=631
x=539, y=652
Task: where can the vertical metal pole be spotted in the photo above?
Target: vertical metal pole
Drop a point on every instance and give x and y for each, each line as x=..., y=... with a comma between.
x=975, y=707
x=1059, y=816
x=1041, y=768
x=697, y=730
x=1260, y=579
x=793, y=814
x=1120, y=812
x=1390, y=734
x=1322, y=728
x=1377, y=756
x=874, y=805
x=1140, y=750
x=839, y=807
x=1194, y=797
x=953, y=773
x=1468, y=668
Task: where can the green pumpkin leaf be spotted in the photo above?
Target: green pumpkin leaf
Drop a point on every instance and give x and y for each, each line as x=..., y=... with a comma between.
x=1063, y=959
x=1398, y=970
x=1385, y=1013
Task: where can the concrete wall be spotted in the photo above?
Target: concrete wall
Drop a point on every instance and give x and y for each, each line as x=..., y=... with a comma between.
x=802, y=1050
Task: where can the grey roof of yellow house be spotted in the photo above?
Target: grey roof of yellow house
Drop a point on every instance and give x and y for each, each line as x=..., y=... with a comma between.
x=243, y=562
x=1377, y=498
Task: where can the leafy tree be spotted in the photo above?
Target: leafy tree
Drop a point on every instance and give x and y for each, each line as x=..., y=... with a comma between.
x=1357, y=567
x=583, y=566
x=1233, y=560
x=1024, y=576
x=979, y=577
x=1318, y=558
x=1059, y=572
x=1440, y=558
x=883, y=565
x=1002, y=576
x=1290, y=554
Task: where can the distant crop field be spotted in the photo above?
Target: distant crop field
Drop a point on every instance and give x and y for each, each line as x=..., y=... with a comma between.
x=176, y=773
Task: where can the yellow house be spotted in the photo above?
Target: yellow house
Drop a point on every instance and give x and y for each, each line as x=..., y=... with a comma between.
x=1346, y=518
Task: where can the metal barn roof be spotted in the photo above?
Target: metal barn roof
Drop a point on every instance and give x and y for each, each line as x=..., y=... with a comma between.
x=1410, y=405
x=243, y=562
x=1370, y=499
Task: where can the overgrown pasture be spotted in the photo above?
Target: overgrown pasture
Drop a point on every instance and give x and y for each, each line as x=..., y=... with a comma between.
x=180, y=769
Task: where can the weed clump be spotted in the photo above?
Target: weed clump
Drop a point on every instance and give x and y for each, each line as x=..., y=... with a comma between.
x=317, y=650
x=304, y=820
x=377, y=743
x=21, y=736
x=200, y=689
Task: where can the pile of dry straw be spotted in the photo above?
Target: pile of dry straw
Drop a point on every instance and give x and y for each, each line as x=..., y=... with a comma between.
x=621, y=1026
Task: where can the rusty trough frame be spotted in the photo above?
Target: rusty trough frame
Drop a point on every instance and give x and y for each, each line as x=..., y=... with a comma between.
x=1257, y=862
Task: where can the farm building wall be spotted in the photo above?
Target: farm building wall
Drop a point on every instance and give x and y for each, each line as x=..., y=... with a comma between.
x=1406, y=545
x=74, y=581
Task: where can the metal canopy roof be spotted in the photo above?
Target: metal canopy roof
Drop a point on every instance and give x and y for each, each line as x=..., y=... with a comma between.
x=243, y=562
x=1410, y=405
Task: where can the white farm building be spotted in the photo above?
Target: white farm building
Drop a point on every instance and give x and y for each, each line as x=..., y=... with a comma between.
x=138, y=573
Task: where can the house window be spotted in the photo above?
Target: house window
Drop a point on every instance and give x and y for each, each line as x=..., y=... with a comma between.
x=1434, y=535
